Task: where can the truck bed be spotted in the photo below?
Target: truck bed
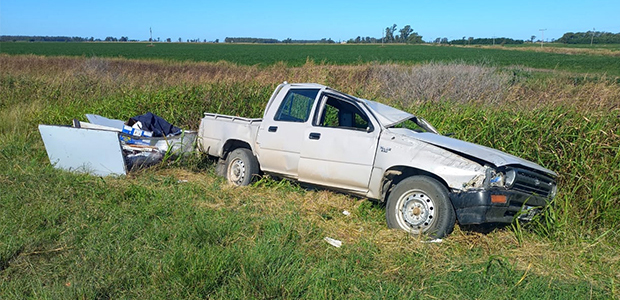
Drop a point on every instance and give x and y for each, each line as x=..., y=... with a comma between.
x=215, y=129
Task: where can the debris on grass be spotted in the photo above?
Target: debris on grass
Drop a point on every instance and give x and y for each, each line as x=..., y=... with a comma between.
x=111, y=147
x=333, y=242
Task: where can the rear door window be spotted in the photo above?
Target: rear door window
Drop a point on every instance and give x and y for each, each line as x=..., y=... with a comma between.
x=297, y=105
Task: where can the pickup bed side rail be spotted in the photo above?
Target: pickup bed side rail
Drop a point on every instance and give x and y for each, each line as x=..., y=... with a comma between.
x=232, y=118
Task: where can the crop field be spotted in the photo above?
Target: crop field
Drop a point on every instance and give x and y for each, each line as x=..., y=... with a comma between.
x=177, y=230
x=298, y=54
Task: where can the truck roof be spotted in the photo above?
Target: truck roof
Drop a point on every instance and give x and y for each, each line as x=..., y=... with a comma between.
x=386, y=115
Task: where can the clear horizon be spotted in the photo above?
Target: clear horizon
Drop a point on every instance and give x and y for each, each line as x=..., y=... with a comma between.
x=338, y=20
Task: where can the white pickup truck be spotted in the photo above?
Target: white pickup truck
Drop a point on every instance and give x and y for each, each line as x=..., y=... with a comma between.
x=316, y=135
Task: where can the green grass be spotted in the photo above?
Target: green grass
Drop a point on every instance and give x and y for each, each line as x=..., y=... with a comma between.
x=297, y=55
x=148, y=235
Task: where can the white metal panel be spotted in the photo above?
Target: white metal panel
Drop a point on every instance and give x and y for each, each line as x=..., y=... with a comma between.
x=215, y=130
x=341, y=158
x=91, y=151
x=494, y=156
x=279, y=148
x=387, y=115
x=103, y=121
x=400, y=150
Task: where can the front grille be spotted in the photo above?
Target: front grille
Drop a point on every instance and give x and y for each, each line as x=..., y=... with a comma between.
x=533, y=183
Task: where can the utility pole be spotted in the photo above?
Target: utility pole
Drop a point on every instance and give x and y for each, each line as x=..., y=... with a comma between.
x=542, y=40
x=151, y=30
x=592, y=39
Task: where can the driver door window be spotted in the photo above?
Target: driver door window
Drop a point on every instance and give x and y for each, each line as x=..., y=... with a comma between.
x=342, y=114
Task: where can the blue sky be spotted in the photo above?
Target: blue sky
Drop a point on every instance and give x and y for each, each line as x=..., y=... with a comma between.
x=339, y=20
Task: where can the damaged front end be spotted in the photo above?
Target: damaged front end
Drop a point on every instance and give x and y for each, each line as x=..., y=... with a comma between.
x=507, y=192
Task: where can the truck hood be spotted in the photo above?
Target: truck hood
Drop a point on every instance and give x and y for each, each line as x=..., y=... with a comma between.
x=386, y=115
x=493, y=156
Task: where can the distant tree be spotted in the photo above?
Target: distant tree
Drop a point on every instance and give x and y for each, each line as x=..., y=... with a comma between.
x=414, y=38
x=437, y=40
x=389, y=34
x=217, y=41
x=124, y=39
x=444, y=40
x=404, y=33
x=168, y=40
x=470, y=40
x=532, y=38
x=180, y=40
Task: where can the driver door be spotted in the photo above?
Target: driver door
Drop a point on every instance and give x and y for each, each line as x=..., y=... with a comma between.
x=338, y=150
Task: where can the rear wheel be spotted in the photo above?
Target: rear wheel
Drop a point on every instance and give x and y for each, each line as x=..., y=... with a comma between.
x=420, y=205
x=241, y=166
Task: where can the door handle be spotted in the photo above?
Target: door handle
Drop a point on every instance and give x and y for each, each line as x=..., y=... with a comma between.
x=272, y=128
x=315, y=136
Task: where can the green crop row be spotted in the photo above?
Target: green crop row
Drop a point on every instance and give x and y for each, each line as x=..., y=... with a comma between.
x=298, y=54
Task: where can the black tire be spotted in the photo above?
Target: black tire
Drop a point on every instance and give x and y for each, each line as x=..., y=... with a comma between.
x=420, y=205
x=241, y=167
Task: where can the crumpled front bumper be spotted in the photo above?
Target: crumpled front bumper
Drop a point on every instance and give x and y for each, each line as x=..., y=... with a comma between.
x=476, y=207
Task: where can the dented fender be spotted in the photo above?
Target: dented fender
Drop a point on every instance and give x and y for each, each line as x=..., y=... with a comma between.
x=401, y=151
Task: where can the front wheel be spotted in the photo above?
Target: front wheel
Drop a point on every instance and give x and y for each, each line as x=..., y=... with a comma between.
x=420, y=205
x=241, y=166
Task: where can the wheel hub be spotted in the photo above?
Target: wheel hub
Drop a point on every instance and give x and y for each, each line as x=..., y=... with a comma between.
x=236, y=172
x=418, y=210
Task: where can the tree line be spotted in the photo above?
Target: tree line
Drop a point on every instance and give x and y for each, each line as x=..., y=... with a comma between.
x=276, y=41
x=405, y=35
x=590, y=37
x=480, y=41
x=26, y=38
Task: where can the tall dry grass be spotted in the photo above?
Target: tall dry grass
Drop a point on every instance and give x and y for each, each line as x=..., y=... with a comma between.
x=459, y=82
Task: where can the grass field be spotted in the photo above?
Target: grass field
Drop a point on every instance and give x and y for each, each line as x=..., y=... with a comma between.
x=297, y=55
x=178, y=231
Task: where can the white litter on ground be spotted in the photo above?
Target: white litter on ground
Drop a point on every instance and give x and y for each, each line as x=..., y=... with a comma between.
x=333, y=242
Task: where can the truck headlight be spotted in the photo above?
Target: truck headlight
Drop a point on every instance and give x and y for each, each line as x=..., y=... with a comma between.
x=511, y=175
x=554, y=191
x=498, y=179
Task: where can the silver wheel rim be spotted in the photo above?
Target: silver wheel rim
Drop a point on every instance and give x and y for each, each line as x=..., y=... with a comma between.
x=236, y=171
x=415, y=211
